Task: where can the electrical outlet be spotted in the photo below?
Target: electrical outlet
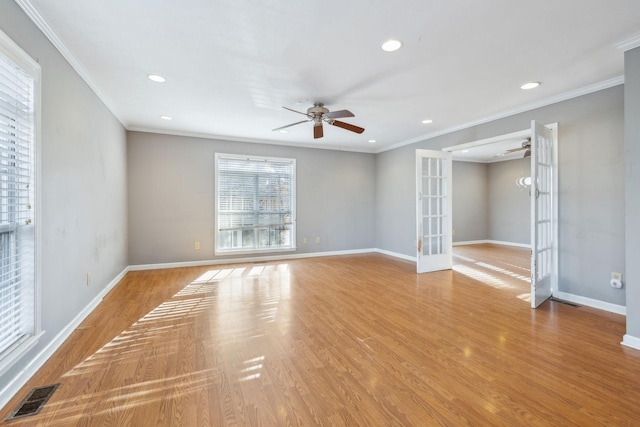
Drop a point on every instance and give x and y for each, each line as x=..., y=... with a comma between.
x=196, y=246
x=88, y=279
x=305, y=241
x=317, y=240
x=616, y=276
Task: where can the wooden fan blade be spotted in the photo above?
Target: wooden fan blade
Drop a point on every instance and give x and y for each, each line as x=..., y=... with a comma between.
x=317, y=131
x=292, y=124
x=347, y=126
x=339, y=114
x=299, y=112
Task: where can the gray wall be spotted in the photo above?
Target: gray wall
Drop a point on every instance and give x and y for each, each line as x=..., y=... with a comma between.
x=470, y=201
x=591, y=182
x=171, y=196
x=488, y=204
x=508, y=204
x=350, y=200
x=632, y=192
x=83, y=186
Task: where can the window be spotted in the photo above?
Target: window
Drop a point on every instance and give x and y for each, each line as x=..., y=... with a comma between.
x=18, y=99
x=255, y=204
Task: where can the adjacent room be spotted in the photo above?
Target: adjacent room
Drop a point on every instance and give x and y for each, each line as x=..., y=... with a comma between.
x=492, y=208
x=216, y=213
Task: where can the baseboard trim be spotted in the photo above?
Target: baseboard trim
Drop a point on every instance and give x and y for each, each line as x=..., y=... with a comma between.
x=631, y=341
x=495, y=242
x=16, y=383
x=242, y=260
x=517, y=245
x=470, y=242
x=396, y=255
x=594, y=303
x=7, y=393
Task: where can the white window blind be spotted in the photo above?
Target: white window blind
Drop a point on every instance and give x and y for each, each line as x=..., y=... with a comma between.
x=17, y=255
x=255, y=206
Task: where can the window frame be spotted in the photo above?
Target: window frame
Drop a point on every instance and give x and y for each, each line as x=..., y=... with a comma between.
x=255, y=250
x=19, y=348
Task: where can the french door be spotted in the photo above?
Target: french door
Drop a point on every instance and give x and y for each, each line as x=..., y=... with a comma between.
x=434, y=221
x=542, y=214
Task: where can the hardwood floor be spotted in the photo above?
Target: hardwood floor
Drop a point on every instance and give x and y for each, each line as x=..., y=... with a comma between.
x=350, y=340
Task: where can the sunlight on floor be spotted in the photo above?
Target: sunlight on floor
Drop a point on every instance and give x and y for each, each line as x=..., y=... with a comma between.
x=525, y=297
x=504, y=271
x=253, y=365
x=489, y=274
x=130, y=396
x=481, y=276
x=230, y=293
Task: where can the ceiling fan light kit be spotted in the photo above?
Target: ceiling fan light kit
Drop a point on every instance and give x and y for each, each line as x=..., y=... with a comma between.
x=319, y=114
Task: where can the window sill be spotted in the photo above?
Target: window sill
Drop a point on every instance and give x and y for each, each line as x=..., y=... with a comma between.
x=253, y=251
x=16, y=352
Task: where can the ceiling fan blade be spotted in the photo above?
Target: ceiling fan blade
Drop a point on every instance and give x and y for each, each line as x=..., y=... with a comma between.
x=347, y=126
x=318, y=131
x=292, y=124
x=295, y=111
x=339, y=114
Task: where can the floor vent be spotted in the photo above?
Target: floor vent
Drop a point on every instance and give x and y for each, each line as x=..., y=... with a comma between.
x=34, y=402
x=561, y=301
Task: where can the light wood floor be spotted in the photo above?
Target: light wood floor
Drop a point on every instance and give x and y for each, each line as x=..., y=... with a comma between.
x=350, y=340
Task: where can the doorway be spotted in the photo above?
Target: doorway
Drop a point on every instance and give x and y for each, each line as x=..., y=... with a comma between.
x=539, y=145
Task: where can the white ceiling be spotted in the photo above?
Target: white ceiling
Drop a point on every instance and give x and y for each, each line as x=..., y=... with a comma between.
x=493, y=149
x=231, y=65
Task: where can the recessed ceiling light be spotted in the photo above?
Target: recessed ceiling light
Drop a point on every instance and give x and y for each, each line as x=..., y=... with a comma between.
x=284, y=131
x=391, y=45
x=530, y=85
x=465, y=151
x=427, y=121
x=372, y=141
x=166, y=117
x=156, y=78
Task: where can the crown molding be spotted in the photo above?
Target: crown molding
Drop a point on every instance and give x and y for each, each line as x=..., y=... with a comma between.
x=33, y=14
x=37, y=19
x=628, y=44
x=522, y=109
x=203, y=135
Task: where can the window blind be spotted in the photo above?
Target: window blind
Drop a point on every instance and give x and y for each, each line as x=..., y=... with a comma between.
x=17, y=132
x=255, y=203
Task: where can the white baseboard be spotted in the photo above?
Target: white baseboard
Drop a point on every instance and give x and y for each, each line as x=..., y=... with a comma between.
x=517, y=245
x=23, y=376
x=631, y=341
x=589, y=302
x=396, y=255
x=470, y=242
x=242, y=260
x=16, y=383
x=495, y=242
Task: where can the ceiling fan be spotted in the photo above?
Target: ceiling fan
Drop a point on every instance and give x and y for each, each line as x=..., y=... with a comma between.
x=526, y=145
x=318, y=114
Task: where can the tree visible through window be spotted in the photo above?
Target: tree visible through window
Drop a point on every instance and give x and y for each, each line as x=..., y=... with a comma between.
x=255, y=204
